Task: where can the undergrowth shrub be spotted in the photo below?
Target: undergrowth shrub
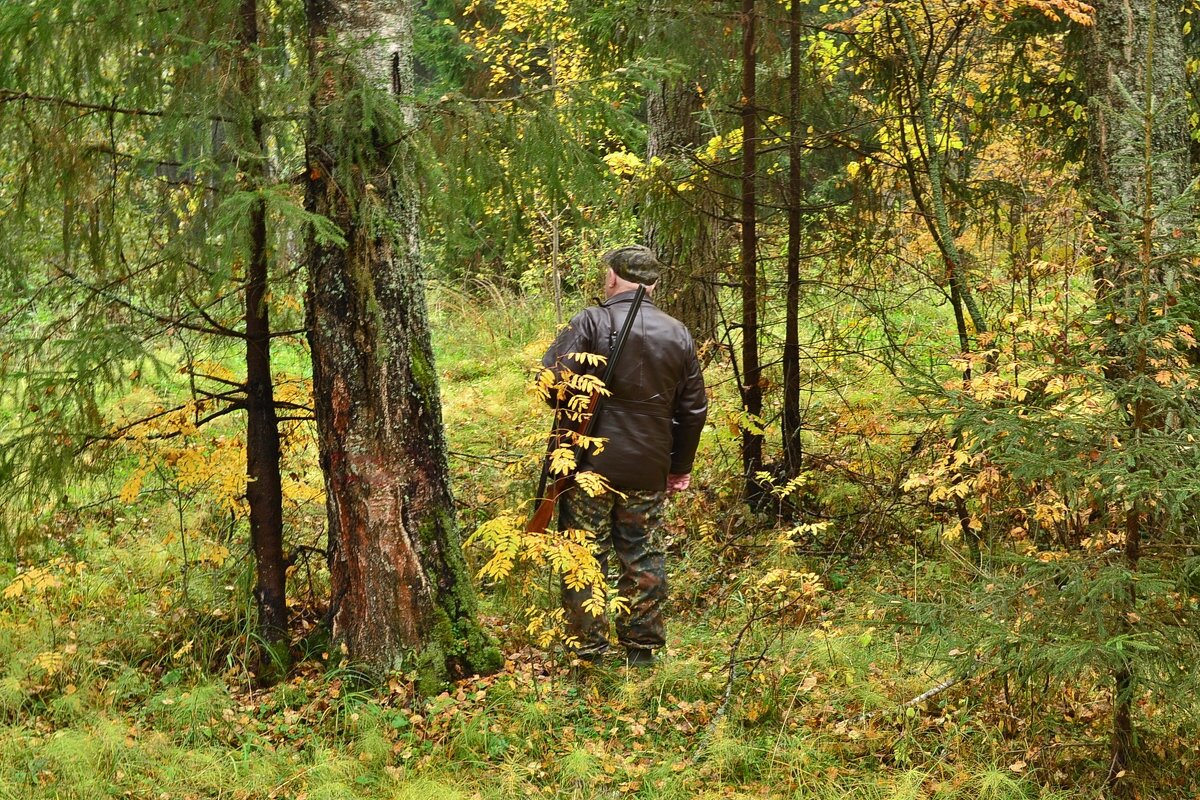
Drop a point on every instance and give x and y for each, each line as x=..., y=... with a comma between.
x=162, y=702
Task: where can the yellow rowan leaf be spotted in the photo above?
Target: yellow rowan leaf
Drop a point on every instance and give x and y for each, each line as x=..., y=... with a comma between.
x=592, y=483
x=591, y=359
x=595, y=605
x=33, y=581
x=562, y=460
x=587, y=384
x=577, y=404
x=51, y=663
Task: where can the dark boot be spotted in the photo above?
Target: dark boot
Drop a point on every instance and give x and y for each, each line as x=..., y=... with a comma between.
x=639, y=659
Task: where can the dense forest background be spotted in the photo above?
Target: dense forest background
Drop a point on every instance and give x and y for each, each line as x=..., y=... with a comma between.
x=274, y=279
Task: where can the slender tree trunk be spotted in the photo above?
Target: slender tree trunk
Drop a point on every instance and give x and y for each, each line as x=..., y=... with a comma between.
x=401, y=593
x=689, y=248
x=936, y=215
x=264, y=491
x=939, y=225
x=792, y=420
x=752, y=442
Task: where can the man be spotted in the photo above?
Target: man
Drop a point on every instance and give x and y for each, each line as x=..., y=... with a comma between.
x=651, y=423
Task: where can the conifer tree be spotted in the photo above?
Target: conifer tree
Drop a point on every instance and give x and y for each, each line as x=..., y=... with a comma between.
x=145, y=147
x=751, y=378
x=264, y=489
x=686, y=240
x=1139, y=168
x=1073, y=434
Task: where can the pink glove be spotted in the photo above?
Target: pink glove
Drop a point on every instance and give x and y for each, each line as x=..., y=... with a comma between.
x=677, y=483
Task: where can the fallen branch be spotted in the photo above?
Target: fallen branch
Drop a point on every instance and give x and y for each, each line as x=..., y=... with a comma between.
x=731, y=671
x=866, y=716
x=711, y=727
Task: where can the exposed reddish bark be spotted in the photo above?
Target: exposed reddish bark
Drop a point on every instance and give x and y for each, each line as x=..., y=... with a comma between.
x=401, y=594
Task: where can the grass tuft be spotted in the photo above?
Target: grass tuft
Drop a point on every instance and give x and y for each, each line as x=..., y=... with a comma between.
x=427, y=789
x=998, y=784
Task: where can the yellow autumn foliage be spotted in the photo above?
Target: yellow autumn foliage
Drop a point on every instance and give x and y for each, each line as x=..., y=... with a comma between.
x=31, y=582
x=209, y=462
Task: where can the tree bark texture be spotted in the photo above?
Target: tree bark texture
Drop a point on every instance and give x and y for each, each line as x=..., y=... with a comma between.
x=401, y=594
x=264, y=490
x=1139, y=157
x=752, y=442
x=1119, y=61
x=690, y=249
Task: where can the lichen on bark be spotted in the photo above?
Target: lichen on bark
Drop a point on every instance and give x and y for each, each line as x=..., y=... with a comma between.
x=401, y=594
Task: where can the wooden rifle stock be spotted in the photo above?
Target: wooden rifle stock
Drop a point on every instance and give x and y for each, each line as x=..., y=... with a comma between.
x=547, y=497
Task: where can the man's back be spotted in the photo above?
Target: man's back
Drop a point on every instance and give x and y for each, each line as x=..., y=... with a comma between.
x=653, y=418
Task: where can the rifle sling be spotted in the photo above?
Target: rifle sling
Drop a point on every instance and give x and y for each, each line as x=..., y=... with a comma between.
x=609, y=371
x=610, y=368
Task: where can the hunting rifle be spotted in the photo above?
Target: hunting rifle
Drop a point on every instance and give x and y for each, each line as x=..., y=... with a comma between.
x=547, y=498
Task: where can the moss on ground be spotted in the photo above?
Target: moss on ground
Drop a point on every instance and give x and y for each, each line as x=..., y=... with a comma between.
x=124, y=675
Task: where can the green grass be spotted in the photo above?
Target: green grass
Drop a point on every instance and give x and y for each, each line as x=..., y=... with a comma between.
x=112, y=721
x=121, y=678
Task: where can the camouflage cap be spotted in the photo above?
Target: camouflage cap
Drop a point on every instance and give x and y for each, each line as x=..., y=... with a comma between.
x=634, y=263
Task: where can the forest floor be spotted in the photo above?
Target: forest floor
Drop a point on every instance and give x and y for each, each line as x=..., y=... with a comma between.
x=125, y=659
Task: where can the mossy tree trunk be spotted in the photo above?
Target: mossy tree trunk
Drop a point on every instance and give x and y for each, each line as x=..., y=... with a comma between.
x=1126, y=51
x=1138, y=165
x=689, y=244
x=401, y=594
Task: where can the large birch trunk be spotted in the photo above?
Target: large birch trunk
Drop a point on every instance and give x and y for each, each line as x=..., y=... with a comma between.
x=401, y=594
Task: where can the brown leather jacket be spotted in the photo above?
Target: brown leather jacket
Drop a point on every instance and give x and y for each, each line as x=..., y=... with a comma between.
x=652, y=421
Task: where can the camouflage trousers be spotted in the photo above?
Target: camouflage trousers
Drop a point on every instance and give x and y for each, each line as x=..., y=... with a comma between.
x=631, y=527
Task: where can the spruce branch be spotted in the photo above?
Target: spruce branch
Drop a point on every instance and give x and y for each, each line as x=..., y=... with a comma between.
x=14, y=96
x=215, y=329
x=17, y=96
